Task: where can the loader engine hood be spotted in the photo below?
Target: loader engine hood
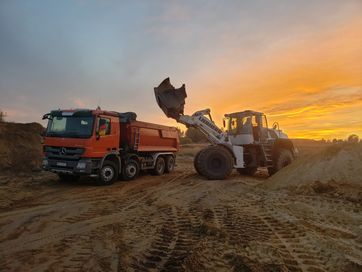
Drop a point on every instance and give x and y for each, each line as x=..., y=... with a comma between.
x=170, y=99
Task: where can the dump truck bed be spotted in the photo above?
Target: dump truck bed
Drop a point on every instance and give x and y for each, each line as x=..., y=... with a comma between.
x=148, y=137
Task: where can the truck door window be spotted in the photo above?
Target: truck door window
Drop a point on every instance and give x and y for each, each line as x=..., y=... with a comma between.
x=104, y=126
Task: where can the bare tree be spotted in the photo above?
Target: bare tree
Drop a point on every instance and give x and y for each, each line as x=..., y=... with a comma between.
x=353, y=138
x=195, y=135
x=180, y=132
x=2, y=116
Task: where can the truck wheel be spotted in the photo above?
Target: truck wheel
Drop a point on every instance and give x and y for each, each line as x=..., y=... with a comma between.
x=131, y=170
x=170, y=164
x=159, y=166
x=283, y=158
x=68, y=178
x=108, y=174
x=249, y=171
x=214, y=162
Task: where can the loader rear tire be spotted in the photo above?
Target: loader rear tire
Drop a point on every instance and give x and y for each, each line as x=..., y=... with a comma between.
x=283, y=158
x=214, y=163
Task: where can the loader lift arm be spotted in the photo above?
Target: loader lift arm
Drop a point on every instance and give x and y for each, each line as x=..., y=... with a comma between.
x=172, y=102
x=202, y=120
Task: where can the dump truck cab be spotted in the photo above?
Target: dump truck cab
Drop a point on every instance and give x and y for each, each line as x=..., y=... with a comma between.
x=105, y=144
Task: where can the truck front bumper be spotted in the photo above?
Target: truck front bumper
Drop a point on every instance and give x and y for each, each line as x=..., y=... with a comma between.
x=73, y=167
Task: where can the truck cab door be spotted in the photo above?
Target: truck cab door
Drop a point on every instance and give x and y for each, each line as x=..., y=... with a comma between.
x=107, y=135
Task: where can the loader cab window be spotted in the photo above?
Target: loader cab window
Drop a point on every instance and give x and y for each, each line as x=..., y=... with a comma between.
x=254, y=121
x=104, y=126
x=264, y=121
x=256, y=128
x=246, y=127
x=233, y=126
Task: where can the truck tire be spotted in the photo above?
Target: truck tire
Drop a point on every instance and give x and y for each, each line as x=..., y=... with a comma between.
x=108, y=173
x=195, y=160
x=68, y=178
x=170, y=164
x=249, y=171
x=214, y=163
x=159, y=166
x=284, y=157
x=130, y=170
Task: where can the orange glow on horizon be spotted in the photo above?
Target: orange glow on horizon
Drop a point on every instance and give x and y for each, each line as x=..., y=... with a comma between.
x=312, y=87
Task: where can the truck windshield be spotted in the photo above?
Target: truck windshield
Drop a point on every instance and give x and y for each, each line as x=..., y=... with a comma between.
x=70, y=127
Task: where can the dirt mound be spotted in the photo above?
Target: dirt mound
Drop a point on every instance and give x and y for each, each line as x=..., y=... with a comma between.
x=20, y=147
x=336, y=169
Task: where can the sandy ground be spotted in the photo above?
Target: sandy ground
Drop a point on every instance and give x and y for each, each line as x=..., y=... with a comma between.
x=177, y=222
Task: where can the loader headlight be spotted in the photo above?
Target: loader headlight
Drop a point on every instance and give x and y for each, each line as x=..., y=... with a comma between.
x=81, y=165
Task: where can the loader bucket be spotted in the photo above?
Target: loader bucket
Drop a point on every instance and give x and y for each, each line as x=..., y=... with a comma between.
x=170, y=100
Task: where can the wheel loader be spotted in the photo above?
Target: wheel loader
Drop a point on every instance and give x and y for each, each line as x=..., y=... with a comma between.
x=245, y=144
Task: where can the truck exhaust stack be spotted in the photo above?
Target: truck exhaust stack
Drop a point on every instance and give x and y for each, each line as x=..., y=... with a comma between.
x=170, y=99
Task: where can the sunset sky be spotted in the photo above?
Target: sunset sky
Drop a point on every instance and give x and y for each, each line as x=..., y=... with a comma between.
x=300, y=62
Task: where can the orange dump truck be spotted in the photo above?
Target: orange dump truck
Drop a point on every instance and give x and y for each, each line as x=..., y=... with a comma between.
x=106, y=145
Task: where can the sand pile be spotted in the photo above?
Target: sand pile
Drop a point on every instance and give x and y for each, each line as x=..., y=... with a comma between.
x=20, y=147
x=336, y=169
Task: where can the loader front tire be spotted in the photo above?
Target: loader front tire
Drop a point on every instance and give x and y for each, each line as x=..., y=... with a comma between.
x=214, y=163
x=195, y=161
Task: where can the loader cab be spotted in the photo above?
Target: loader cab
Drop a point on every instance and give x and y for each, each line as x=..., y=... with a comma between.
x=246, y=127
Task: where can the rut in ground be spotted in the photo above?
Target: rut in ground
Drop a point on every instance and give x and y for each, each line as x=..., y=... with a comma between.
x=182, y=223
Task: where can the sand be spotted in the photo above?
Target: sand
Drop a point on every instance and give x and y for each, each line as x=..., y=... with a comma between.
x=177, y=222
x=337, y=170
x=20, y=147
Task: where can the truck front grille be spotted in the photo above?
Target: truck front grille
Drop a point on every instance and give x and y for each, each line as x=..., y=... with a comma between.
x=67, y=153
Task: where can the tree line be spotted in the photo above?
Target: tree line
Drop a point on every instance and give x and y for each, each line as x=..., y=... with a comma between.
x=193, y=135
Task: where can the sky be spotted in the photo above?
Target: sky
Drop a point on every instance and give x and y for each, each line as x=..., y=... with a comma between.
x=299, y=62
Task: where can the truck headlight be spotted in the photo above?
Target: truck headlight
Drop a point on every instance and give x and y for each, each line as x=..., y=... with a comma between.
x=45, y=162
x=81, y=165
